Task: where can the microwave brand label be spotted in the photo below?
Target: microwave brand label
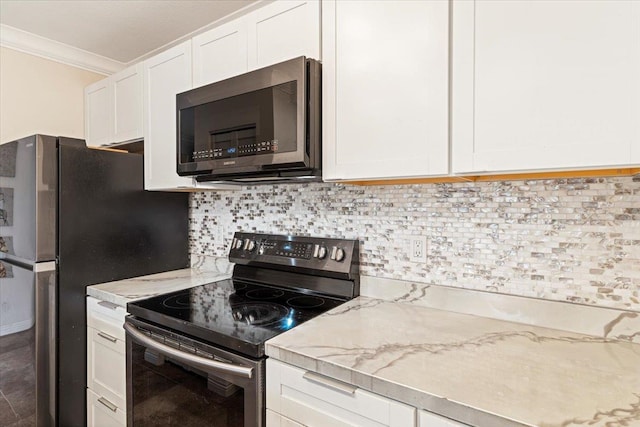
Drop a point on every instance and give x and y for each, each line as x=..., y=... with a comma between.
x=230, y=162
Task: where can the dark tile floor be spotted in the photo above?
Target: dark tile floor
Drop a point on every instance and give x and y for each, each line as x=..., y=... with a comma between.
x=17, y=379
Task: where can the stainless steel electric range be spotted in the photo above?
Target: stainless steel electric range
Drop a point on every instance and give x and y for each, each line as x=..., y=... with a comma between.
x=196, y=357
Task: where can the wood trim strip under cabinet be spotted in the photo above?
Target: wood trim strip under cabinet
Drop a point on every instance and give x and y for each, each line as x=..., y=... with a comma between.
x=503, y=177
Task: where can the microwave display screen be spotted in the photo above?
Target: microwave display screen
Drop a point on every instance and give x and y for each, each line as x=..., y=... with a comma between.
x=254, y=123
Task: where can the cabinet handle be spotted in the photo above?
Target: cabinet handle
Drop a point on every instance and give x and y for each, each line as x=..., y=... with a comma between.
x=329, y=382
x=107, y=337
x=108, y=305
x=108, y=404
x=191, y=359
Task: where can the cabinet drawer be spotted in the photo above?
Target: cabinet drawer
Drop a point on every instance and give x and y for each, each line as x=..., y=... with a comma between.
x=106, y=317
x=102, y=413
x=314, y=400
x=106, y=366
x=276, y=420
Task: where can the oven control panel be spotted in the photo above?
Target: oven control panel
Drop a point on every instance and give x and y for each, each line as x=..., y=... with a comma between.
x=325, y=254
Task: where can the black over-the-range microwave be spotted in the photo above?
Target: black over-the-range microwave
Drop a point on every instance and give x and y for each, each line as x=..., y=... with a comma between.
x=262, y=126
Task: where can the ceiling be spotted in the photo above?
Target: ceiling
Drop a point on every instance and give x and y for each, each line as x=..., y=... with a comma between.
x=121, y=30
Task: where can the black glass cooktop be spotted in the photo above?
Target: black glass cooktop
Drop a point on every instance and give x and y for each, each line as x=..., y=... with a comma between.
x=234, y=314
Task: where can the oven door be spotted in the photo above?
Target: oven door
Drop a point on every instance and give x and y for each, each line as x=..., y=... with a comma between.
x=176, y=381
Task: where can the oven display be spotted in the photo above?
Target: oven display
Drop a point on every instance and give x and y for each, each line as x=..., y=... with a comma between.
x=287, y=249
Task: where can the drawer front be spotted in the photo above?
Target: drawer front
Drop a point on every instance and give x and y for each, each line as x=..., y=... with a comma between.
x=314, y=400
x=102, y=413
x=106, y=367
x=106, y=317
x=276, y=420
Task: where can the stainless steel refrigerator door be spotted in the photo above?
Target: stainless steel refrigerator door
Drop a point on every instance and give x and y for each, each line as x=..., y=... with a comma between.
x=28, y=198
x=27, y=292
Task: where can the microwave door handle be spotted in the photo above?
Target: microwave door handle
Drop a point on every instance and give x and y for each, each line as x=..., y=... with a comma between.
x=201, y=362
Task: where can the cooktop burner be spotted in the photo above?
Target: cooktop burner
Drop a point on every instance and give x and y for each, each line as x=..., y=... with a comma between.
x=265, y=293
x=177, y=302
x=305, y=302
x=259, y=313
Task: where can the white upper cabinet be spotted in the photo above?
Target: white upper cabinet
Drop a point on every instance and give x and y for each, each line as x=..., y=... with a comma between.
x=127, y=100
x=113, y=108
x=166, y=75
x=274, y=33
x=98, y=123
x=284, y=30
x=545, y=85
x=220, y=53
x=385, y=89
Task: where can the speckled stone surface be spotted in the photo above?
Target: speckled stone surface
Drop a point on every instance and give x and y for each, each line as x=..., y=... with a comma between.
x=476, y=370
x=203, y=270
x=602, y=322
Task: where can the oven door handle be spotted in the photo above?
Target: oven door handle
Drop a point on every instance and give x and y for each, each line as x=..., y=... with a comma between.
x=192, y=359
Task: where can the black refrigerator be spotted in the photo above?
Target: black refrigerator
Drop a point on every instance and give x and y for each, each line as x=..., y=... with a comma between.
x=70, y=216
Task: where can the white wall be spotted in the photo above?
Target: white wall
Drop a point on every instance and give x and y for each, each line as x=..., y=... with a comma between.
x=40, y=96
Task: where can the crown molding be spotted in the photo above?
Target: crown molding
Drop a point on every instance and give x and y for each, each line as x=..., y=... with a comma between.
x=32, y=44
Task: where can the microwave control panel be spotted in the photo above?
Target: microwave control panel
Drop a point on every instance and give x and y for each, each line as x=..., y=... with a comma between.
x=251, y=149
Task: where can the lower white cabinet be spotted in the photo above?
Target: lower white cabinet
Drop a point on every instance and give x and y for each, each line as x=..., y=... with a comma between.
x=299, y=397
x=101, y=413
x=296, y=397
x=106, y=364
x=276, y=420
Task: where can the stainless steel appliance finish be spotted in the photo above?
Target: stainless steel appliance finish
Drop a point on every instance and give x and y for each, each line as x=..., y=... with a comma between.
x=72, y=217
x=213, y=336
x=262, y=126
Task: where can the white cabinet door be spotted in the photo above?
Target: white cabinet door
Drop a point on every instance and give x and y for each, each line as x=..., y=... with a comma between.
x=276, y=420
x=314, y=400
x=545, y=85
x=127, y=104
x=284, y=30
x=106, y=364
x=113, y=108
x=429, y=419
x=220, y=53
x=165, y=75
x=102, y=413
x=98, y=110
x=385, y=89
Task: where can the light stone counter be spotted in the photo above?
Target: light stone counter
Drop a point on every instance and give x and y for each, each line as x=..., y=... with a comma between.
x=204, y=270
x=477, y=370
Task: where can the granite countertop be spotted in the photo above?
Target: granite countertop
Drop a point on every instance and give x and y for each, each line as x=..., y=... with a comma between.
x=477, y=370
x=123, y=291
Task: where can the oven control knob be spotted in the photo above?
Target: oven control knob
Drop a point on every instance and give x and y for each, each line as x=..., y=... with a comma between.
x=339, y=254
x=249, y=245
x=239, y=244
x=322, y=252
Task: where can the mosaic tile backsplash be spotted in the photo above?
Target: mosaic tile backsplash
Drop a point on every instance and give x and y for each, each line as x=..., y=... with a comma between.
x=575, y=240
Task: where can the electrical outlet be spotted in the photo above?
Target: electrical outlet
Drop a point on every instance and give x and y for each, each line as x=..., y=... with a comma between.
x=418, y=249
